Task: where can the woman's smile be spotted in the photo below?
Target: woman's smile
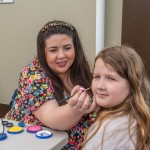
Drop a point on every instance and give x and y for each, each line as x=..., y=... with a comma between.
x=62, y=63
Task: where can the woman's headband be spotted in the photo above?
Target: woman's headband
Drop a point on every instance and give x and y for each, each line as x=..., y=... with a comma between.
x=57, y=24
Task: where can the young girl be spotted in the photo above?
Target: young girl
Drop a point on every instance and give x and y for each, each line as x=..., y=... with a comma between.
x=122, y=91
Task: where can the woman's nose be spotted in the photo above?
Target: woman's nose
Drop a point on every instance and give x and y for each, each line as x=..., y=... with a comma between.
x=61, y=54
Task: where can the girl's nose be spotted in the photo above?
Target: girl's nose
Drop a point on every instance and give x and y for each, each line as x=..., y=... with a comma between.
x=101, y=84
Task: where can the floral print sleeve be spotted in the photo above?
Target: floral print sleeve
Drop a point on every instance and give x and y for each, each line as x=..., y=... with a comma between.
x=33, y=90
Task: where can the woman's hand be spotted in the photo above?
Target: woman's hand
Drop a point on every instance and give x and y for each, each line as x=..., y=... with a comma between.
x=66, y=116
x=81, y=100
x=92, y=106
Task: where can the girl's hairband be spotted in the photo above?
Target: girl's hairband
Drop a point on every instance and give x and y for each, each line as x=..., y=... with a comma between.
x=55, y=25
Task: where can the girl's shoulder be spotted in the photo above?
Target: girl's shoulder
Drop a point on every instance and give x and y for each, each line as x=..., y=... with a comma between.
x=119, y=123
x=115, y=132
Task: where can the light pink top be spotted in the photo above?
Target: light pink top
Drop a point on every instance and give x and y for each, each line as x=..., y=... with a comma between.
x=115, y=134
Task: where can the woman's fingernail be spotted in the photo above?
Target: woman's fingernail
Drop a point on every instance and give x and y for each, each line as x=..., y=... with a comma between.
x=82, y=89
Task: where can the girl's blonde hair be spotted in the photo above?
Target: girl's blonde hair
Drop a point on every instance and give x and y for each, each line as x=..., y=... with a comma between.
x=128, y=64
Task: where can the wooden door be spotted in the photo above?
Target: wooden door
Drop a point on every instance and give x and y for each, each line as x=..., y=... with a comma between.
x=136, y=28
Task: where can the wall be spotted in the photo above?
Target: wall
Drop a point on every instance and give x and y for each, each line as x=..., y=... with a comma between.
x=113, y=22
x=19, y=25
x=21, y=21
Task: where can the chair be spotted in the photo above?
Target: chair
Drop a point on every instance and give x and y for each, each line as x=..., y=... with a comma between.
x=12, y=101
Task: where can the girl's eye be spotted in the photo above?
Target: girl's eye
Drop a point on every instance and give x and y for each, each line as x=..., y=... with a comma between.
x=110, y=78
x=96, y=77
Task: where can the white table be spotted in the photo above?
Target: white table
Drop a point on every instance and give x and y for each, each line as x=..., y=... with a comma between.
x=28, y=141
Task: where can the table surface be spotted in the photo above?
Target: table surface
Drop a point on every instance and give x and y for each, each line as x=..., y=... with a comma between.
x=28, y=141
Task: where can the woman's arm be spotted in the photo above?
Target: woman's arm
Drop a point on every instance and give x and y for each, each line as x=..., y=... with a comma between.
x=66, y=116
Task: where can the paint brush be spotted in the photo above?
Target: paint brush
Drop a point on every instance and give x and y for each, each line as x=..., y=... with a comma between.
x=73, y=95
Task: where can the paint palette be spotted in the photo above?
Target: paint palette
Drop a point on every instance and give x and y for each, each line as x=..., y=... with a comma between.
x=15, y=130
x=3, y=136
x=34, y=128
x=43, y=134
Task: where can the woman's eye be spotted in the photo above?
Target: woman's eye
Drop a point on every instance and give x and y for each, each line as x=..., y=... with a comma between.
x=52, y=50
x=67, y=48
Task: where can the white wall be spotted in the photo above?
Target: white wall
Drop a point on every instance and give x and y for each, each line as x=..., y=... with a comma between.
x=19, y=25
x=113, y=22
x=21, y=21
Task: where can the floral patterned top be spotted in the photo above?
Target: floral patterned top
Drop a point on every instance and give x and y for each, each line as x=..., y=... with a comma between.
x=34, y=89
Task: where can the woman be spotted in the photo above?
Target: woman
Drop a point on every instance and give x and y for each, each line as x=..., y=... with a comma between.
x=52, y=76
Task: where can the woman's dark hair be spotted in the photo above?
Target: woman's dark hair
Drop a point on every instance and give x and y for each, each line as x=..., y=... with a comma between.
x=80, y=73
